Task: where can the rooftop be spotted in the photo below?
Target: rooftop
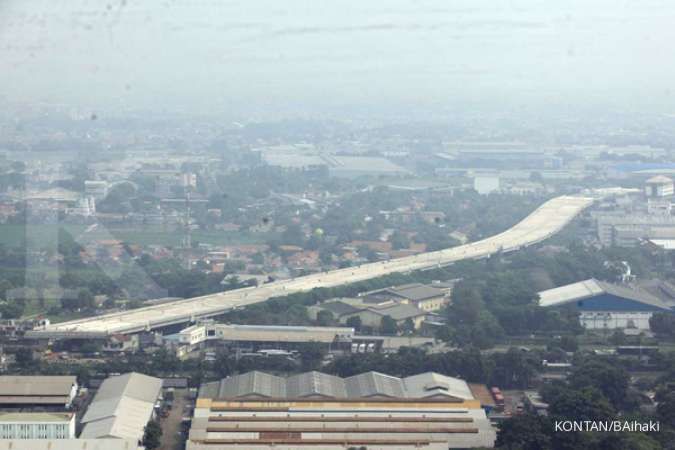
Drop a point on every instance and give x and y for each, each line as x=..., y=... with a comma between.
x=399, y=311
x=659, y=179
x=52, y=390
x=35, y=417
x=68, y=444
x=312, y=385
x=590, y=288
x=122, y=407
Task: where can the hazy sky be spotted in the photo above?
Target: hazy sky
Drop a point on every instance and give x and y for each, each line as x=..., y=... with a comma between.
x=214, y=54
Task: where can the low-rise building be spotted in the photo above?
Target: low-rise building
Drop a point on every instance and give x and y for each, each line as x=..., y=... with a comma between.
x=21, y=425
x=317, y=411
x=53, y=393
x=69, y=444
x=122, y=407
x=195, y=336
x=426, y=298
x=371, y=314
x=604, y=305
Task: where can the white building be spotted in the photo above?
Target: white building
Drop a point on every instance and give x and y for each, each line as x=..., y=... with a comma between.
x=20, y=425
x=273, y=334
x=659, y=186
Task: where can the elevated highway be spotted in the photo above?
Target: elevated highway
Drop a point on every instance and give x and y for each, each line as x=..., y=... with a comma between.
x=541, y=224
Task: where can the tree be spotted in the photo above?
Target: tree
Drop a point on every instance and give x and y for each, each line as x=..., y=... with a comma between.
x=663, y=323
x=409, y=325
x=524, y=432
x=311, y=355
x=388, y=326
x=569, y=343
x=666, y=408
x=354, y=322
x=325, y=318
x=85, y=298
x=571, y=404
x=5, y=286
x=152, y=436
x=11, y=310
x=399, y=240
x=513, y=369
x=611, y=380
x=467, y=304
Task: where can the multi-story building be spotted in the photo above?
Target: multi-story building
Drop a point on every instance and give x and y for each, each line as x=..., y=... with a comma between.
x=659, y=186
x=21, y=425
x=313, y=411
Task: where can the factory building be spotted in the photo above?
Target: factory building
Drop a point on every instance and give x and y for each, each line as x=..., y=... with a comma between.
x=423, y=297
x=258, y=336
x=30, y=425
x=42, y=393
x=69, y=444
x=313, y=411
x=604, y=305
x=122, y=407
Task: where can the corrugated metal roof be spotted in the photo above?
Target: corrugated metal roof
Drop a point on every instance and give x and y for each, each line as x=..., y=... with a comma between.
x=416, y=291
x=432, y=384
x=122, y=407
x=68, y=444
x=35, y=417
x=339, y=308
x=399, y=311
x=273, y=333
x=589, y=288
x=39, y=386
x=374, y=384
x=250, y=384
x=309, y=384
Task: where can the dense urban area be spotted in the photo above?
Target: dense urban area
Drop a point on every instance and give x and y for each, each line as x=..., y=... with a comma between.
x=337, y=225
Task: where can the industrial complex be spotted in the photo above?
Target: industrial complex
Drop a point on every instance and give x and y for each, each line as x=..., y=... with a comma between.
x=313, y=410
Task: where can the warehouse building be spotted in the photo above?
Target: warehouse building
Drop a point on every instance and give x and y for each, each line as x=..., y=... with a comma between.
x=371, y=311
x=69, y=444
x=423, y=297
x=42, y=393
x=122, y=407
x=604, y=305
x=257, y=336
x=313, y=411
x=45, y=425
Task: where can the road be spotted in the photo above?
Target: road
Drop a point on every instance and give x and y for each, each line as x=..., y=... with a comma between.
x=172, y=439
x=541, y=224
